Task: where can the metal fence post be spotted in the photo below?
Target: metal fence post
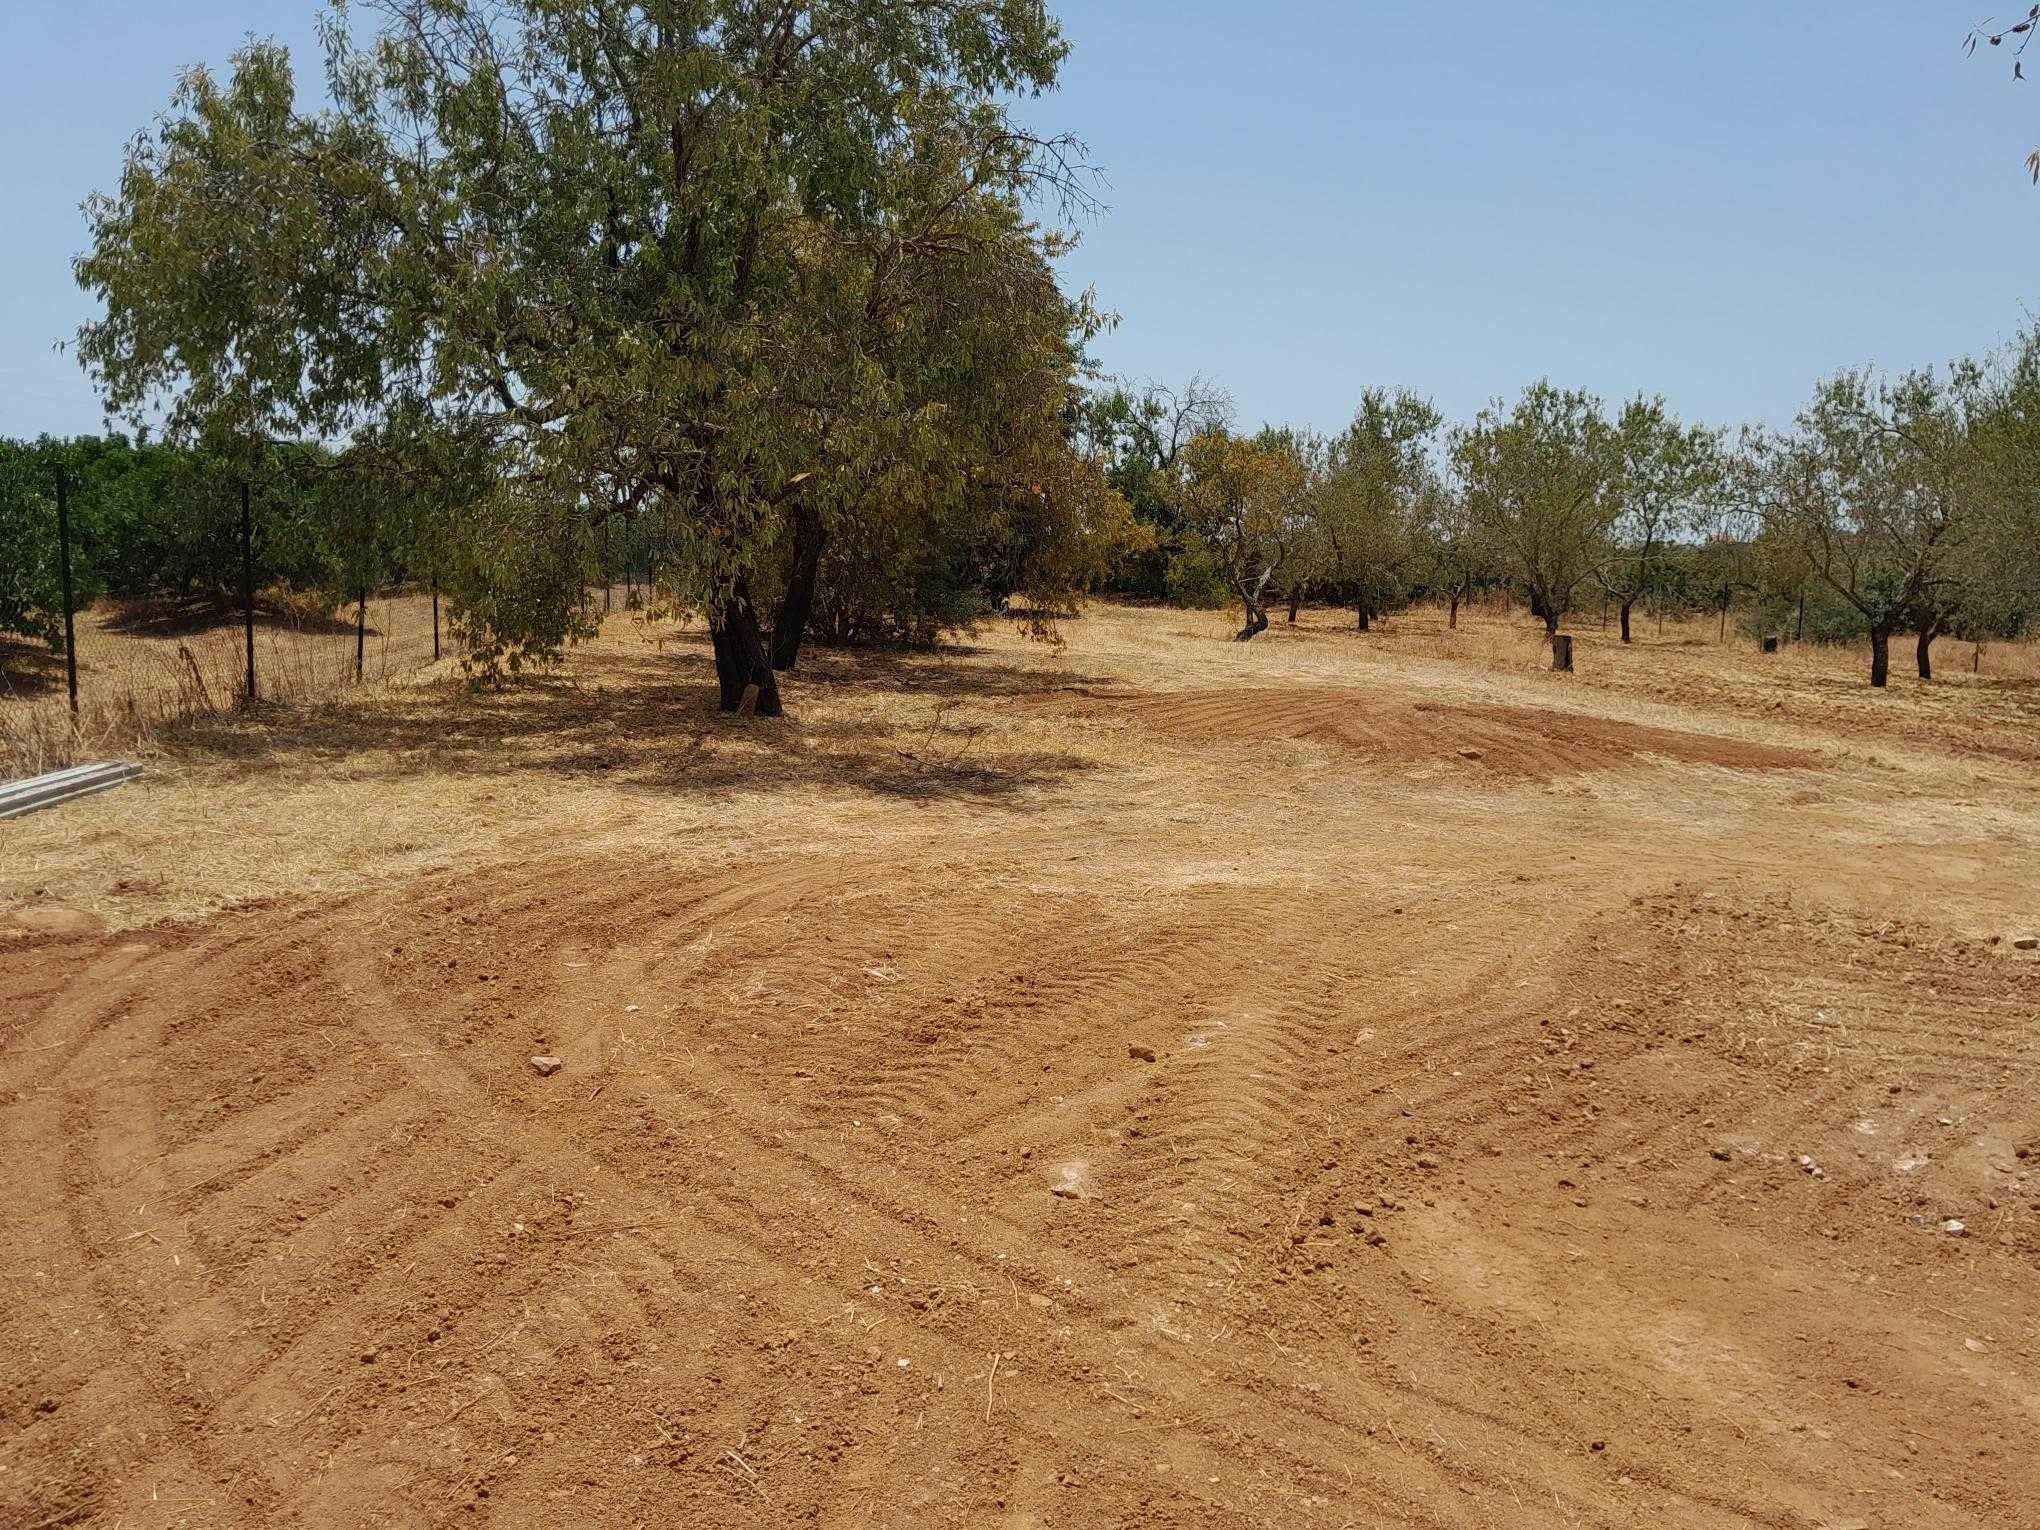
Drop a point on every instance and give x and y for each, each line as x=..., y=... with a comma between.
x=360, y=633
x=248, y=585
x=70, y=604
x=435, y=618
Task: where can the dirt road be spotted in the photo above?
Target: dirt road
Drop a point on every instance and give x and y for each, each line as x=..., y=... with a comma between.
x=1174, y=1087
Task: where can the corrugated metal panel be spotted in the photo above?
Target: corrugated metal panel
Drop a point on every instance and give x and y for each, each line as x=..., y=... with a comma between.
x=39, y=792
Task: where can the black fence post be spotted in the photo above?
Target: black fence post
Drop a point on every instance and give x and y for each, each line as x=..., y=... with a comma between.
x=435, y=618
x=70, y=604
x=248, y=585
x=360, y=634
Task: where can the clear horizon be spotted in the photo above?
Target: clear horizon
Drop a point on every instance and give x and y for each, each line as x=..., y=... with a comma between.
x=1720, y=208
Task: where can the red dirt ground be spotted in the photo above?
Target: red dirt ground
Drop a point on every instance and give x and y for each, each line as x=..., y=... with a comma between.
x=1422, y=1098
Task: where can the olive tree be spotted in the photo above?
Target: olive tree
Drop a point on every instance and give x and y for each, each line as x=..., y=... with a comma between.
x=1667, y=475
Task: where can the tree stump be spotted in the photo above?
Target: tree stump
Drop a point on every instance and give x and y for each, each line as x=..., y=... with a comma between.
x=1770, y=645
x=1561, y=652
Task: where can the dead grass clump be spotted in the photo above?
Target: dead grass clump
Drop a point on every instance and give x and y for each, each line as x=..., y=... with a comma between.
x=144, y=667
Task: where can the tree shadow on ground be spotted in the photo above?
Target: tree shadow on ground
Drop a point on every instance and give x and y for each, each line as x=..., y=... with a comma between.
x=29, y=670
x=648, y=722
x=195, y=616
x=954, y=670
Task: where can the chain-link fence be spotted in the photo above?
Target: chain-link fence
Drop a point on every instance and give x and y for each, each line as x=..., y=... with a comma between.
x=121, y=668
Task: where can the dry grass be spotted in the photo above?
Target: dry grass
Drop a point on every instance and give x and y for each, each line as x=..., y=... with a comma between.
x=145, y=666
x=622, y=746
x=1805, y=694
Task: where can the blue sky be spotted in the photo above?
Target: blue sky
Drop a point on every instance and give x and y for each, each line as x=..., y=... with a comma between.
x=1718, y=202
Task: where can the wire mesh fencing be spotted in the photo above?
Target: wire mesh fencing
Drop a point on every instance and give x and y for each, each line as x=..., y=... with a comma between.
x=122, y=669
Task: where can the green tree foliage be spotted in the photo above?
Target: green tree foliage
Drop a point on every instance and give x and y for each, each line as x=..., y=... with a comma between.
x=1141, y=432
x=1373, y=504
x=31, y=595
x=960, y=481
x=1883, y=493
x=666, y=261
x=1668, y=479
x=1540, y=483
x=1246, y=502
x=1458, y=563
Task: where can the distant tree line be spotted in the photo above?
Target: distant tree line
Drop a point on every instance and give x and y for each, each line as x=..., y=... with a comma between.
x=151, y=521
x=1906, y=504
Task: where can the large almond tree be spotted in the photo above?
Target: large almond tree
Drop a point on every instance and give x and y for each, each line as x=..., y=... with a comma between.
x=653, y=253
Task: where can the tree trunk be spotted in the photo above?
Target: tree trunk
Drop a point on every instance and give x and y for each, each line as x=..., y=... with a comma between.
x=1257, y=623
x=1363, y=618
x=1452, y=619
x=1626, y=605
x=1880, y=656
x=809, y=538
x=1295, y=605
x=743, y=666
x=1561, y=652
x=1550, y=622
x=1925, y=651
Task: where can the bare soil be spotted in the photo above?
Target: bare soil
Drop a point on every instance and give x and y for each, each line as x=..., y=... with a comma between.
x=1341, y=1081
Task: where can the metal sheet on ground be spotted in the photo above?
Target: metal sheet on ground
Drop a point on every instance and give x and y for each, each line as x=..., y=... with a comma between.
x=38, y=792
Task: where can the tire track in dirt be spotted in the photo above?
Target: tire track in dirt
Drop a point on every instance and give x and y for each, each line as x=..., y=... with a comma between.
x=719, y=1094
x=759, y=1245
x=151, y=1289
x=662, y=1186
x=1143, y=1241
x=1505, y=743
x=188, y=1325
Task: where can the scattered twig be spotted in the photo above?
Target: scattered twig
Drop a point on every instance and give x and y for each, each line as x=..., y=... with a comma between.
x=24, y=1051
x=990, y=1377
x=457, y=1412
x=743, y=1467
x=325, y=1397
x=69, y=1514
